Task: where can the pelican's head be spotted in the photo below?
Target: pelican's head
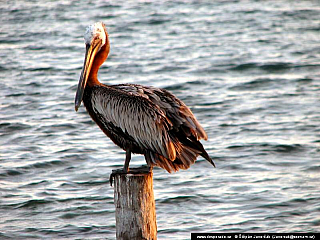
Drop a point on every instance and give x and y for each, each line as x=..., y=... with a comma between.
x=97, y=50
x=95, y=32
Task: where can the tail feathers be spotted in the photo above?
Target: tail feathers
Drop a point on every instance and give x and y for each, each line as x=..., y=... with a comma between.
x=184, y=159
x=188, y=156
x=154, y=159
x=193, y=143
x=205, y=155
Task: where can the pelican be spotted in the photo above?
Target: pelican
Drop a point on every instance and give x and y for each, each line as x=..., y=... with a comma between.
x=139, y=119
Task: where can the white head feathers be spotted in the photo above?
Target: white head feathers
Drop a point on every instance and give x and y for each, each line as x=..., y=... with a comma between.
x=95, y=30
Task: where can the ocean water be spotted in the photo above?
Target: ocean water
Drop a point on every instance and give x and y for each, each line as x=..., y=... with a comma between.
x=250, y=72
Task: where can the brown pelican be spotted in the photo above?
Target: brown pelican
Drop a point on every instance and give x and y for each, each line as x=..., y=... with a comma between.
x=139, y=119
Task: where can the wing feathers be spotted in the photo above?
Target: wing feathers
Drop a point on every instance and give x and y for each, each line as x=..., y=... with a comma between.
x=141, y=119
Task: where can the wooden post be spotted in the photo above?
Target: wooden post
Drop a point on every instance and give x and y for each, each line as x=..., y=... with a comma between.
x=135, y=205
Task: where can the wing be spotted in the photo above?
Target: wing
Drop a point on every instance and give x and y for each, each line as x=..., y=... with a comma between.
x=137, y=117
x=181, y=117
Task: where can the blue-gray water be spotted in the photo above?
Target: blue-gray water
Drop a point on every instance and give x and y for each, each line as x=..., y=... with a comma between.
x=249, y=70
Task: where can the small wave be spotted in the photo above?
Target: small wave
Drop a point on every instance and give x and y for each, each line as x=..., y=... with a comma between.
x=2, y=68
x=33, y=203
x=9, y=40
x=304, y=80
x=275, y=205
x=196, y=82
x=286, y=148
x=255, y=84
x=315, y=169
x=250, y=11
x=178, y=199
x=37, y=183
x=11, y=173
x=70, y=215
x=83, y=212
x=25, y=169
x=13, y=127
x=178, y=86
x=47, y=164
x=267, y=147
x=153, y=21
x=62, y=127
x=301, y=14
x=158, y=21
x=170, y=69
x=270, y=67
x=36, y=48
x=108, y=5
x=184, y=85
x=43, y=69
x=212, y=104
x=266, y=180
x=288, y=206
x=16, y=95
x=89, y=198
x=244, y=66
x=94, y=183
x=276, y=66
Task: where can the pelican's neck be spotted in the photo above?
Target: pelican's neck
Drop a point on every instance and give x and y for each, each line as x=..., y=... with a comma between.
x=99, y=59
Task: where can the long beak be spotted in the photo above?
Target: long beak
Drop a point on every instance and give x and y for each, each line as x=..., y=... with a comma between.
x=91, y=51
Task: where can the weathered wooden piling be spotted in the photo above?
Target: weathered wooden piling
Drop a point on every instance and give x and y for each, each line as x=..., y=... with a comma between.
x=135, y=205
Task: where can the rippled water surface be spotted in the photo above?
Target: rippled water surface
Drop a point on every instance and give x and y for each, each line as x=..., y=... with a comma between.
x=250, y=72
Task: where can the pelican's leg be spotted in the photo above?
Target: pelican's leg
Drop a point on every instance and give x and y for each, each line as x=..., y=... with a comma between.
x=125, y=169
x=126, y=163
